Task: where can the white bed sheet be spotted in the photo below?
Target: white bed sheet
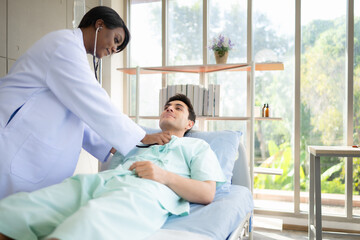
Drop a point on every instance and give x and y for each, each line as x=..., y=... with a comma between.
x=168, y=234
x=214, y=221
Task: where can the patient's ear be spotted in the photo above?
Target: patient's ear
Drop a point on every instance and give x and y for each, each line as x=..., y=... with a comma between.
x=190, y=124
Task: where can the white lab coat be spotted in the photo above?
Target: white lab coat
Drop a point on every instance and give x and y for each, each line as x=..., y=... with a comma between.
x=63, y=109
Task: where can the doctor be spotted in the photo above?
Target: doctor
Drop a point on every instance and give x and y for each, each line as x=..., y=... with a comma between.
x=51, y=106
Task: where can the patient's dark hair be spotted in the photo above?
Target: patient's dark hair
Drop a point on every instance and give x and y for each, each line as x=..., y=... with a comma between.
x=186, y=100
x=111, y=20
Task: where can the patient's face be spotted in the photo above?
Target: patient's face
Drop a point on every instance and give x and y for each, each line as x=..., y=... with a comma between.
x=175, y=117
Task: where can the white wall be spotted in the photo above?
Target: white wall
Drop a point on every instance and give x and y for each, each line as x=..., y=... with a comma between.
x=2, y=38
x=2, y=66
x=23, y=22
x=28, y=21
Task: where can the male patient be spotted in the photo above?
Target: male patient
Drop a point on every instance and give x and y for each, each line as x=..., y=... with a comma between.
x=129, y=202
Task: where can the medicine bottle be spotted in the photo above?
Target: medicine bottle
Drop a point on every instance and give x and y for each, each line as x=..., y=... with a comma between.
x=263, y=111
x=267, y=111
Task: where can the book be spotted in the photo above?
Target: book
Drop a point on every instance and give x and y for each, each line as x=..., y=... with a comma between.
x=201, y=102
x=178, y=89
x=183, y=89
x=195, y=103
x=172, y=90
x=211, y=100
x=217, y=100
x=190, y=92
x=206, y=102
x=164, y=98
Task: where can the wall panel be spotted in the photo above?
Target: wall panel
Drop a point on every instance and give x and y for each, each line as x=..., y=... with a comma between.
x=2, y=28
x=2, y=67
x=28, y=21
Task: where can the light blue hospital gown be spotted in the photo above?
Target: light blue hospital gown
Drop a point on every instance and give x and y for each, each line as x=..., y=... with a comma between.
x=115, y=204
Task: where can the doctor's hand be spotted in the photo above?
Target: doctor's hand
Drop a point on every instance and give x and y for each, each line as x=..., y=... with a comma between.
x=157, y=138
x=148, y=170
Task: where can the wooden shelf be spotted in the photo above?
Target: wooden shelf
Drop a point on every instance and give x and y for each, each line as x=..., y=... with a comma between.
x=205, y=68
x=198, y=117
x=269, y=171
x=218, y=118
x=268, y=118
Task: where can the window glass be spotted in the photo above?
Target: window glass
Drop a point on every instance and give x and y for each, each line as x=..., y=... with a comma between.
x=145, y=50
x=356, y=165
x=150, y=85
x=233, y=97
x=230, y=20
x=322, y=94
x=274, y=41
x=149, y=123
x=185, y=41
x=145, y=29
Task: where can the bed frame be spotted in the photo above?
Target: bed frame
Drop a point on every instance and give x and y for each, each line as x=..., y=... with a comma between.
x=242, y=178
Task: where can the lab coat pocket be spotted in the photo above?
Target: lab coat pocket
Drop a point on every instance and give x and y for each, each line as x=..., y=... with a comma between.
x=34, y=160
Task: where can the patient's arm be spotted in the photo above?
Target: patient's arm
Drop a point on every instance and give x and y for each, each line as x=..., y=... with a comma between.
x=190, y=189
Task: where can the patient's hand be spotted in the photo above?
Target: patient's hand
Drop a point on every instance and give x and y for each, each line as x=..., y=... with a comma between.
x=192, y=190
x=158, y=138
x=148, y=170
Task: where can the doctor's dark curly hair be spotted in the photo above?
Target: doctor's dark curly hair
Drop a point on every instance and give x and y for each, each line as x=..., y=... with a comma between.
x=111, y=20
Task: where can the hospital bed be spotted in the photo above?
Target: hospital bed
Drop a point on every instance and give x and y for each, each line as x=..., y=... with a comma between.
x=229, y=216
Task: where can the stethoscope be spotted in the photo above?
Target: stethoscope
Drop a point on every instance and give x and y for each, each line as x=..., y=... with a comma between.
x=146, y=146
x=96, y=63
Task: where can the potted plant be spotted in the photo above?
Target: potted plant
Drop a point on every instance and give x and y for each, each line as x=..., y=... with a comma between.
x=221, y=46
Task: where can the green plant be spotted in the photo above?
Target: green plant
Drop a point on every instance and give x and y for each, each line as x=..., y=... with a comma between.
x=221, y=45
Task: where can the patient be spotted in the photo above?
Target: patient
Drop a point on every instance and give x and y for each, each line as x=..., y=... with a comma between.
x=129, y=202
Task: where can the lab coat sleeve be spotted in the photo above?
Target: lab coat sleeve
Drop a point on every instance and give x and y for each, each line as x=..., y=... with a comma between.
x=70, y=78
x=95, y=145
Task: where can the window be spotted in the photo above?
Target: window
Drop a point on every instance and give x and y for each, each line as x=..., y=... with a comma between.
x=145, y=50
x=145, y=44
x=274, y=31
x=185, y=41
x=323, y=94
x=356, y=165
x=230, y=19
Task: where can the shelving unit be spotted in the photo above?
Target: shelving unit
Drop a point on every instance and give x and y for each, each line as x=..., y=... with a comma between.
x=219, y=118
x=202, y=70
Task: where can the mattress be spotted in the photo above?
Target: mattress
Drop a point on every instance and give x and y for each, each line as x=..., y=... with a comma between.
x=214, y=221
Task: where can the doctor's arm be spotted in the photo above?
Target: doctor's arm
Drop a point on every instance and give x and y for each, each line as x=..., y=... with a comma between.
x=192, y=190
x=96, y=145
x=71, y=80
x=156, y=138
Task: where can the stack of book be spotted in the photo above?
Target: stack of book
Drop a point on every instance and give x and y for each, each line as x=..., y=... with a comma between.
x=206, y=101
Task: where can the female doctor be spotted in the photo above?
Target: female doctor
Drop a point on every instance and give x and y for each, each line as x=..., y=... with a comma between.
x=51, y=106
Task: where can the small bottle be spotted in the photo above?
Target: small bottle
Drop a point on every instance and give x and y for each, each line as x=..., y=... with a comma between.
x=267, y=111
x=263, y=111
